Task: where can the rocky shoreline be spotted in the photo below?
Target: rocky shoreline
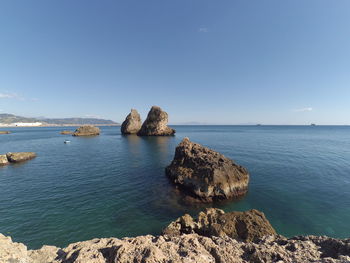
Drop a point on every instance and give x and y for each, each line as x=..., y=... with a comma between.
x=184, y=248
x=213, y=237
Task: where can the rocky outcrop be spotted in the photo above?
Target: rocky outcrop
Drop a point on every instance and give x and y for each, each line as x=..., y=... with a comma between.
x=132, y=123
x=156, y=124
x=66, y=132
x=87, y=130
x=5, y=132
x=20, y=156
x=185, y=248
x=245, y=226
x=3, y=159
x=205, y=174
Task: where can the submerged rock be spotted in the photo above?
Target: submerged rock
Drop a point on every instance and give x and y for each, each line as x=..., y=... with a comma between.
x=245, y=226
x=5, y=132
x=132, y=123
x=87, y=130
x=3, y=159
x=20, y=156
x=185, y=248
x=156, y=124
x=66, y=132
x=205, y=174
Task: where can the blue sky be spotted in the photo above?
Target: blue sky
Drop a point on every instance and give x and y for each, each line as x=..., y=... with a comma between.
x=217, y=62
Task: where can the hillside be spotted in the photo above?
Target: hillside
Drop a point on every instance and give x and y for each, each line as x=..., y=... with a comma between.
x=11, y=118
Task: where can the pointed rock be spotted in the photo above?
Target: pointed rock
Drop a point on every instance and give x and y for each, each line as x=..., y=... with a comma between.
x=156, y=124
x=132, y=123
x=205, y=174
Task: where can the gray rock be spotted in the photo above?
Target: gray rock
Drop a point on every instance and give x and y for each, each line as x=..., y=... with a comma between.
x=205, y=174
x=132, y=123
x=156, y=124
x=87, y=130
x=20, y=156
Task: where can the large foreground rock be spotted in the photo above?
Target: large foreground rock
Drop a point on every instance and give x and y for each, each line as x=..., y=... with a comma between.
x=156, y=124
x=245, y=226
x=87, y=130
x=190, y=248
x=3, y=159
x=20, y=156
x=132, y=123
x=206, y=174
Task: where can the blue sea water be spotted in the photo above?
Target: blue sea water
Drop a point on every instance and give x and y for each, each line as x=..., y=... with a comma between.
x=114, y=185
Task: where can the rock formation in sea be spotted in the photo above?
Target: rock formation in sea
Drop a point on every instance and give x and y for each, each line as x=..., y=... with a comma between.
x=3, y=159
x=87, y=130
x=20, y=156
x=156, y=124
x=244, y=226
x=132, y=123
x=5, y=132
x=66, y=132
x=183, y=249
x=205, y=174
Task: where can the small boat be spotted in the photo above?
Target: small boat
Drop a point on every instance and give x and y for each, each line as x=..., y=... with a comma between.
x=66, y=141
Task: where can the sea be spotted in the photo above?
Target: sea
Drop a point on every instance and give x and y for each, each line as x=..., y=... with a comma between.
x=115, y=186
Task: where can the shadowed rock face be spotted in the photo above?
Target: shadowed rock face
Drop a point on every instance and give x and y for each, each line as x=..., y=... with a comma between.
x=132, y=123
x=3, y=159
x=205, y=174
x=245, y=226
x=183, y=249
x=20, y=156
x=87, y=130
x=156, y=124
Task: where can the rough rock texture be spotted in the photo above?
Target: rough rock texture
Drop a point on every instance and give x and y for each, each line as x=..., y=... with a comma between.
x=3, y=159
x=206, y=174
x=156, y=124
x=5, y=132
x=87, y=130
x=185, y=248
x=66, y=132
x=20, y=156
x=132, y=123
x=245, y=226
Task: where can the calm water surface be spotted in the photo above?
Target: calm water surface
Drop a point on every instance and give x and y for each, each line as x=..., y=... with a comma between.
x=114, y=185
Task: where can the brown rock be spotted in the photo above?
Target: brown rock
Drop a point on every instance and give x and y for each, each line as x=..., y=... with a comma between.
x=156, y=124
x=5, y=132
x=3, y=159
x=245, y=226
x=66, y=132
x=20, y=156
x=206, y=174
x=87, y=130
x=132, y=123
x=183, y=249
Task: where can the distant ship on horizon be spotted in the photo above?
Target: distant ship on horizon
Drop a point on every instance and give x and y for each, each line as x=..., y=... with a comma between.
x=313, y=124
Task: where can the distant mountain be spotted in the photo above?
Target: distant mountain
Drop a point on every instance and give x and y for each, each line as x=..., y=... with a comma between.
x=10, y=118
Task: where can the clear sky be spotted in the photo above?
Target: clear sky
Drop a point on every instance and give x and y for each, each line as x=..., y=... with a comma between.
x=217, y=62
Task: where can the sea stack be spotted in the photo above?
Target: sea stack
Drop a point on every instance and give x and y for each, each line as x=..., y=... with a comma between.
x=132, y=123
x=244, y=226
x=87, y=130
x=156, y=124
x=205, y=174
x=20, y=156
